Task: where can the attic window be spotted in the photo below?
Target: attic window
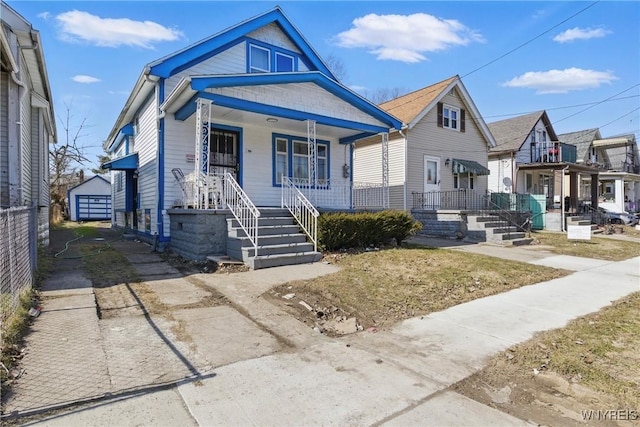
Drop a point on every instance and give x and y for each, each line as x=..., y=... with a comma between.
x=259, y=59
x=451, y=117
x=284, y=63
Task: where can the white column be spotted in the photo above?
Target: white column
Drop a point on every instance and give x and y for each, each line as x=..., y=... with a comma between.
x=313, y=158
x=619, y=193
x=203, y=138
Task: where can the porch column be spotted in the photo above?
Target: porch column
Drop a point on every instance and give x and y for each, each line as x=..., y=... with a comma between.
x=385, y=170
x=594, y=191
x=619, y=192
x=201, y=168
x=312, y=159
x=573, y=191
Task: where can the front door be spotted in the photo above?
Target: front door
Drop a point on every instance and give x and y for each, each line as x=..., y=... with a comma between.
x=431, y=182
x=224, y=153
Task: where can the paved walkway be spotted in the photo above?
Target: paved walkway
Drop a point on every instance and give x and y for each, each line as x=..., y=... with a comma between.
x=258, y=366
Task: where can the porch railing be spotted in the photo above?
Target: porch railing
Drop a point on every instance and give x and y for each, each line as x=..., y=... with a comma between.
x=507, y=210
x=242, y=208
x=301, y=208
x=342, y=195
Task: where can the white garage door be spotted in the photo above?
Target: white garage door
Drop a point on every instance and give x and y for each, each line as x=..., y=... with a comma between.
x=96, y=207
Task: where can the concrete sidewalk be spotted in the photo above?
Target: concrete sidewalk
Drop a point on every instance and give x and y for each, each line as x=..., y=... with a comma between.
x=395, y=377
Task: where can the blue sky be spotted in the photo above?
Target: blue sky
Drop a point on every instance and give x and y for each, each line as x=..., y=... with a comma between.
x=579, y=61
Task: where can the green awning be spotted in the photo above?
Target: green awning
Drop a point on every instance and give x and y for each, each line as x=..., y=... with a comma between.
x=129, y=162
x=460, y=167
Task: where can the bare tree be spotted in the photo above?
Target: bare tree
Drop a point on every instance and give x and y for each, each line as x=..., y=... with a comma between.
x=66, y=160
x=336, y=66
x=381, y=95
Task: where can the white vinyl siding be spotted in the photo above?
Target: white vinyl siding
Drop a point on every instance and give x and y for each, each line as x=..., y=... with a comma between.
x=273, y=35
x=147, y=148
x=25, y=151
x=501, y=169
x=4, y=139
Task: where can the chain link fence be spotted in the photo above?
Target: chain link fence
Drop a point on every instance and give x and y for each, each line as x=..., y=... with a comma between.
x=18, y=256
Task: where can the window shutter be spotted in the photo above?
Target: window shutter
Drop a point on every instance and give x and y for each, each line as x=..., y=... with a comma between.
x=462, y=120
x=440, y=114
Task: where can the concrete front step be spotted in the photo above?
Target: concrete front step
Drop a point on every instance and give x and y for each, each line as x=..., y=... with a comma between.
x=245, y=253
x=265, y=240
x=267, y=230
x=265, y=221
x=520, y=242
x=266, y=261
x=509, y=236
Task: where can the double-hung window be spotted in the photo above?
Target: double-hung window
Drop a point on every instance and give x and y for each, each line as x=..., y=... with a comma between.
x=284, y=62
x=266, y=58
x=291, y=159
x=450, y=117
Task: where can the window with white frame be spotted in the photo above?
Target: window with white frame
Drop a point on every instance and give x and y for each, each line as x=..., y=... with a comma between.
x=463, y=181
x=282, y=159
x=284, y=63
x=259, y=59
x=450, y=117
x=291, y=159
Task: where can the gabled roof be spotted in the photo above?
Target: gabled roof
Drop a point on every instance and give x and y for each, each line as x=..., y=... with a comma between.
x=89, y=180
x=511, y=133
x=205, y=48
x=582, y=139
x=412, y=107
x=199, y=51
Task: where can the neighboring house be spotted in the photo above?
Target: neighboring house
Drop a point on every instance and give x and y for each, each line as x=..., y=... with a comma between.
x=441, y=148
x=90, y=200
x=530, y=158
x=239, y=116
x=620, y=183
x=27, y=120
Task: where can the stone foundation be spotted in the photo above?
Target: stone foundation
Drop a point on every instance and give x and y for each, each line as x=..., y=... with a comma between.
x=197, y=233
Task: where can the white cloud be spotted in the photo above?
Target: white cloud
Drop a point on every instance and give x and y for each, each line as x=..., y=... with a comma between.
x=561, y=81
x=406, y=37
x=44, y=15
x=80, y=78
x=118, y=92
x=77, y=25
x=580, y=34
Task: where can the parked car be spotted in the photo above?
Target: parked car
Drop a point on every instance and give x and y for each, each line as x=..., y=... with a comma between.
x=614, y=215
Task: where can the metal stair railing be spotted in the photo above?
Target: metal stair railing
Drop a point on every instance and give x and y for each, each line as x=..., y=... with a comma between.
x=301, y=208
x=242, y=208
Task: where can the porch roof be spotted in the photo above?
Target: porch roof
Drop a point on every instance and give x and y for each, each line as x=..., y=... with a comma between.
x=128, y=162
x=182, y=100
x=460, y=166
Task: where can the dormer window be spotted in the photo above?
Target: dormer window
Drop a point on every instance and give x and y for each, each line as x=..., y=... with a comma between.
x=284, y=63
x=450, y=117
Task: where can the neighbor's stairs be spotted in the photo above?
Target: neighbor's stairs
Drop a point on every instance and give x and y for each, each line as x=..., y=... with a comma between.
x=494, y=230
x=280, y=241
x=580, y=220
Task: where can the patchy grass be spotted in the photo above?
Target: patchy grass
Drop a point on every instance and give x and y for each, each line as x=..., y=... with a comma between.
x=591, y=364
x=383, y=287
x=598, y=247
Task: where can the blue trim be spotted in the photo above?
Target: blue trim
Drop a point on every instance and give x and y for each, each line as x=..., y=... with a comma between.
x=218, y=126
x=128, y=187
x=205, y=56
x=190, y=107
x=258, y=79
x=353, y=138
x=127, y=129
x=351, y=150
x=167, y=67
x=290, y=139
x=160, y=206
x=125, y=163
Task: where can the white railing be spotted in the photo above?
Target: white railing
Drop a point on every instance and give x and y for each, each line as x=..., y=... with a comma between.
x=301, y=208
x=343, y=195
x=242, y=208
x=189, y=186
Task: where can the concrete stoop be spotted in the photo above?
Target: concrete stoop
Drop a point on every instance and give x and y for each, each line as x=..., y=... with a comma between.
x=496, y=232
x=280, y=241
x=580, y=220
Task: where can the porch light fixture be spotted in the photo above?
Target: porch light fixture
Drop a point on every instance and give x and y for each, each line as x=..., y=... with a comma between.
x=446, y=162
x=272, y=120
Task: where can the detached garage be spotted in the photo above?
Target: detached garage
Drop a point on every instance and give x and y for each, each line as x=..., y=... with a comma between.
x=90, y=201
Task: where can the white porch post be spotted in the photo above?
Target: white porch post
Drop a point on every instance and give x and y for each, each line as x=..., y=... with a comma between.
x=313, y=159
x=619, y=192
x=385, y=170
x=203, y=137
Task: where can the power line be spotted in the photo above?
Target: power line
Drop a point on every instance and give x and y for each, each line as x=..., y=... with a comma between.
x=531, y=40
x=604, y=100
x=564, y=107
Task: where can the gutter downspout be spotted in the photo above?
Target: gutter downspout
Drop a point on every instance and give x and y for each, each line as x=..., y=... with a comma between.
x=404, y=192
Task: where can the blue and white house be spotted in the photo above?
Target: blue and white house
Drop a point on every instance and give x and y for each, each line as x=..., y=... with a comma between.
x=248, y=119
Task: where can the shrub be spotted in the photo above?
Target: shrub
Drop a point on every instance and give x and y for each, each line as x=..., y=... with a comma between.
x=354, y=230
